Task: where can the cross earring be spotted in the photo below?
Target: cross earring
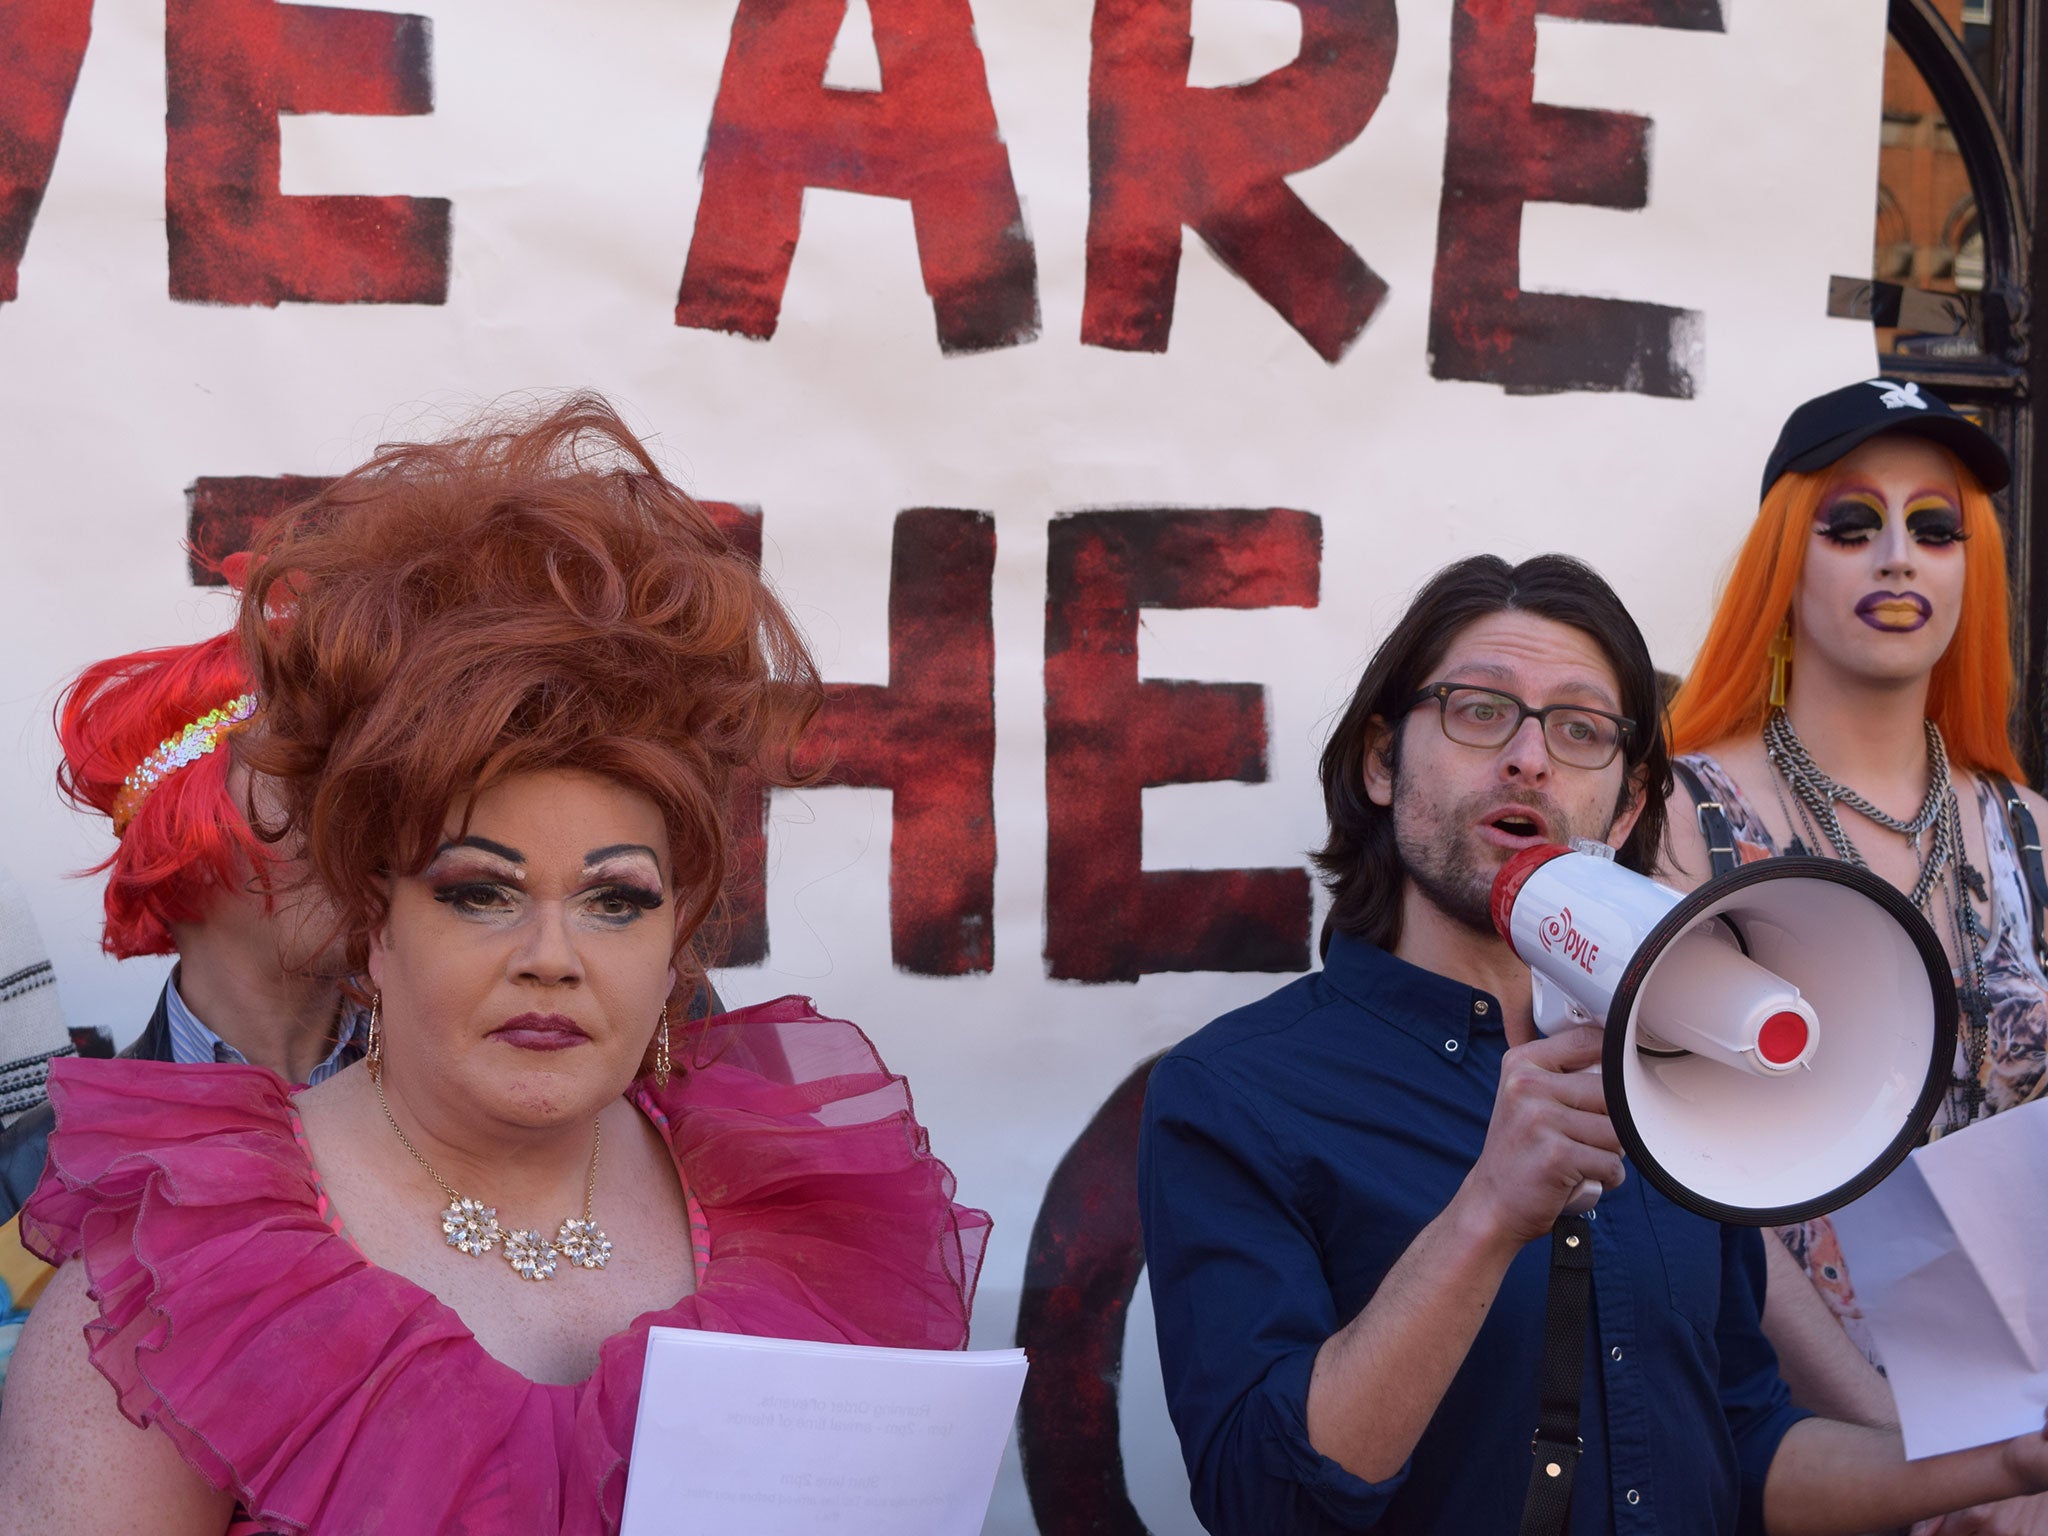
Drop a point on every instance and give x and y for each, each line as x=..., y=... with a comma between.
x=1780, y=652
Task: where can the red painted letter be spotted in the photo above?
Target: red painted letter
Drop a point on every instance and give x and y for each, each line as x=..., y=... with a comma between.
x=232, y=66
x=929, y=737
x=1087, y=1252
x=1109, y=735
x=224, y=513
x=740, y=927
x=42, y=44
x=1504, y=150
x=1162, y=154
x=928, y=136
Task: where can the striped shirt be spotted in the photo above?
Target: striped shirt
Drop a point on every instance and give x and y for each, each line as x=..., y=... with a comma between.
x=193, y=1042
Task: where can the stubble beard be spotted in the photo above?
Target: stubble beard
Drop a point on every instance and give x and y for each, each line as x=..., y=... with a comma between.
x=1452, y=884
x=1445, y=861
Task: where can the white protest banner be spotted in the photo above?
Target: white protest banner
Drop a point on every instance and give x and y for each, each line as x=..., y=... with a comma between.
x=1097, y=377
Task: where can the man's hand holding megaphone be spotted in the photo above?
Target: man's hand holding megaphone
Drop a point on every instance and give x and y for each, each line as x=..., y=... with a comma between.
x=1775, y=1041
x=1549, y=1137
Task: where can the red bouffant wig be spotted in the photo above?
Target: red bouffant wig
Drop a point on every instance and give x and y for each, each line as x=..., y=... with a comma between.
x=1970, y=694
x=531, y=595
x=189, y=837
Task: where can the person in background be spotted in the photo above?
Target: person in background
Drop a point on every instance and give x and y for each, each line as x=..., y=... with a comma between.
x=32, y=1032
x=1852, y=701
x=150, y=741
x=32, y=1035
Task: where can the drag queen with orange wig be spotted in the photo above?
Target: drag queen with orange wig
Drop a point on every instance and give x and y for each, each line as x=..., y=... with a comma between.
x=1851, y=701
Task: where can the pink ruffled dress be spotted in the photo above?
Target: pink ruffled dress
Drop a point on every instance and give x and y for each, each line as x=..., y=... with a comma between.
x=330, y=1395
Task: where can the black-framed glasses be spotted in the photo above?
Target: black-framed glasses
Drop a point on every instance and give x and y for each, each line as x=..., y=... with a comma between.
x=1485, y=717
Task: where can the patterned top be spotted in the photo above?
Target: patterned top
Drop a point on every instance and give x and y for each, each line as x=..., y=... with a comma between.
x=2015, y=987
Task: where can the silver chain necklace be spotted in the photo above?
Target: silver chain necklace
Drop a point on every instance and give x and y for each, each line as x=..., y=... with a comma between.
x=1817, y=795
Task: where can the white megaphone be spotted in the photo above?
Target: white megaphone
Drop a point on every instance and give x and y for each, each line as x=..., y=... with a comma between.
x=1777, y=1041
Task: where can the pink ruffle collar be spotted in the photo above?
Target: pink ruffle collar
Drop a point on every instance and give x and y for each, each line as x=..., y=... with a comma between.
x=329, y=1394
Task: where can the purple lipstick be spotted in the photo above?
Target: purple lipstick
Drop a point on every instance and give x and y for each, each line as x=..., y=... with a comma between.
x=1897, y=612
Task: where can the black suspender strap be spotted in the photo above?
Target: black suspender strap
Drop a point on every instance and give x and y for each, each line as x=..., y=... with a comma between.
x=2026, y=838
x=1557, y=1446
x=1715, y=826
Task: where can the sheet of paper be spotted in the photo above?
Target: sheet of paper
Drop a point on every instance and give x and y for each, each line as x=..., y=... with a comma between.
x=1953, y=1281
x=1974, y=1177
x=780, y=1437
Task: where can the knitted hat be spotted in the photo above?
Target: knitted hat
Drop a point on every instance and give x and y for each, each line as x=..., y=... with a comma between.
x=31, y=1019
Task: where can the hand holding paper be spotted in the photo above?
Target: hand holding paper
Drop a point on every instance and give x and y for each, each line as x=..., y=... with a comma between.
x=1951, y=1271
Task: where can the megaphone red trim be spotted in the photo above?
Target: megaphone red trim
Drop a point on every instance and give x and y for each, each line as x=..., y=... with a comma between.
x=1507, y=885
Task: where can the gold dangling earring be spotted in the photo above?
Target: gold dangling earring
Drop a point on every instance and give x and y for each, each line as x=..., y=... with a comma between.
x=373, y=1050
x=1780, y=653
x=662, y=1062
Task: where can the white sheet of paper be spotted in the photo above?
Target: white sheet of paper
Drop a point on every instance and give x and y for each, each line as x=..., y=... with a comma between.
x=781, y=1437
x=1953, y=1280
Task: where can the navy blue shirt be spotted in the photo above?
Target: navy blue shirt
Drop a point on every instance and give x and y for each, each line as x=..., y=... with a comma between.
x=1293, y=1150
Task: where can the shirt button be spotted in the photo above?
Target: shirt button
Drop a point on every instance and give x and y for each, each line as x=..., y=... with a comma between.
x=1634, y=1497
x=1450, y=1045
x=1614, y=1353
x=1480, y=1006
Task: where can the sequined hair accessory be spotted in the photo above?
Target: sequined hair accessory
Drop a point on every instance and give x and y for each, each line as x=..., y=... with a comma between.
x=175, y=752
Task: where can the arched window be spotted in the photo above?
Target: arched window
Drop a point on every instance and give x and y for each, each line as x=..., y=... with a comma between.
x=1953, y=261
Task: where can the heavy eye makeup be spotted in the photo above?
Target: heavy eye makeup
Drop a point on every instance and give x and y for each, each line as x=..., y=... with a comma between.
x=487, y=881
x=473, y=889
x=618, y=896
x=1851, y=522
x=1934, y=522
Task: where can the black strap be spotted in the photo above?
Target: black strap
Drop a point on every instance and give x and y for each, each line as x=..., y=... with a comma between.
x=2026, y=837
x=1557, y=1446
x=1715, y=826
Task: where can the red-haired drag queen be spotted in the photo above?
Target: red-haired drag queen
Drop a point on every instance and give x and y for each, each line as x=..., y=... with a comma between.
x=508, y=680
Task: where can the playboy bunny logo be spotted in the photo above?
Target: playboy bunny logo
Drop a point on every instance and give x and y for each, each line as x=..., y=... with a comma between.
x=1898, y=396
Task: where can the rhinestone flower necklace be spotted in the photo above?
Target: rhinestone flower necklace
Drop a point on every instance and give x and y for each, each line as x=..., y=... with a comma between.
x=472, y=1227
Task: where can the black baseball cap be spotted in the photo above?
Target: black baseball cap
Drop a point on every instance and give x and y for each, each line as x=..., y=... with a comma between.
x=1829, y=426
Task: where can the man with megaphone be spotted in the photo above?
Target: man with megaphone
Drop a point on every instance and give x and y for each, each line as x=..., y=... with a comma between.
x=1375, y=1290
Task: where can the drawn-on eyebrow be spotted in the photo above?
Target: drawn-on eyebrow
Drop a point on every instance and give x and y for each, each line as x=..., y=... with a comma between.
x=597, y=856
x=511, y=855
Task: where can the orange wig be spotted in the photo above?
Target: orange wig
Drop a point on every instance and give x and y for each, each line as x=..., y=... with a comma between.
x=189, y=839
x=1970, y=694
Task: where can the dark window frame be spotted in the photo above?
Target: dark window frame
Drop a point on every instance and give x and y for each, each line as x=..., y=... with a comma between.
x=2005, y=150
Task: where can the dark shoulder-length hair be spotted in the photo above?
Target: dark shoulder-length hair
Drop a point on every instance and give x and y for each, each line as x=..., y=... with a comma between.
x=1359, y=862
